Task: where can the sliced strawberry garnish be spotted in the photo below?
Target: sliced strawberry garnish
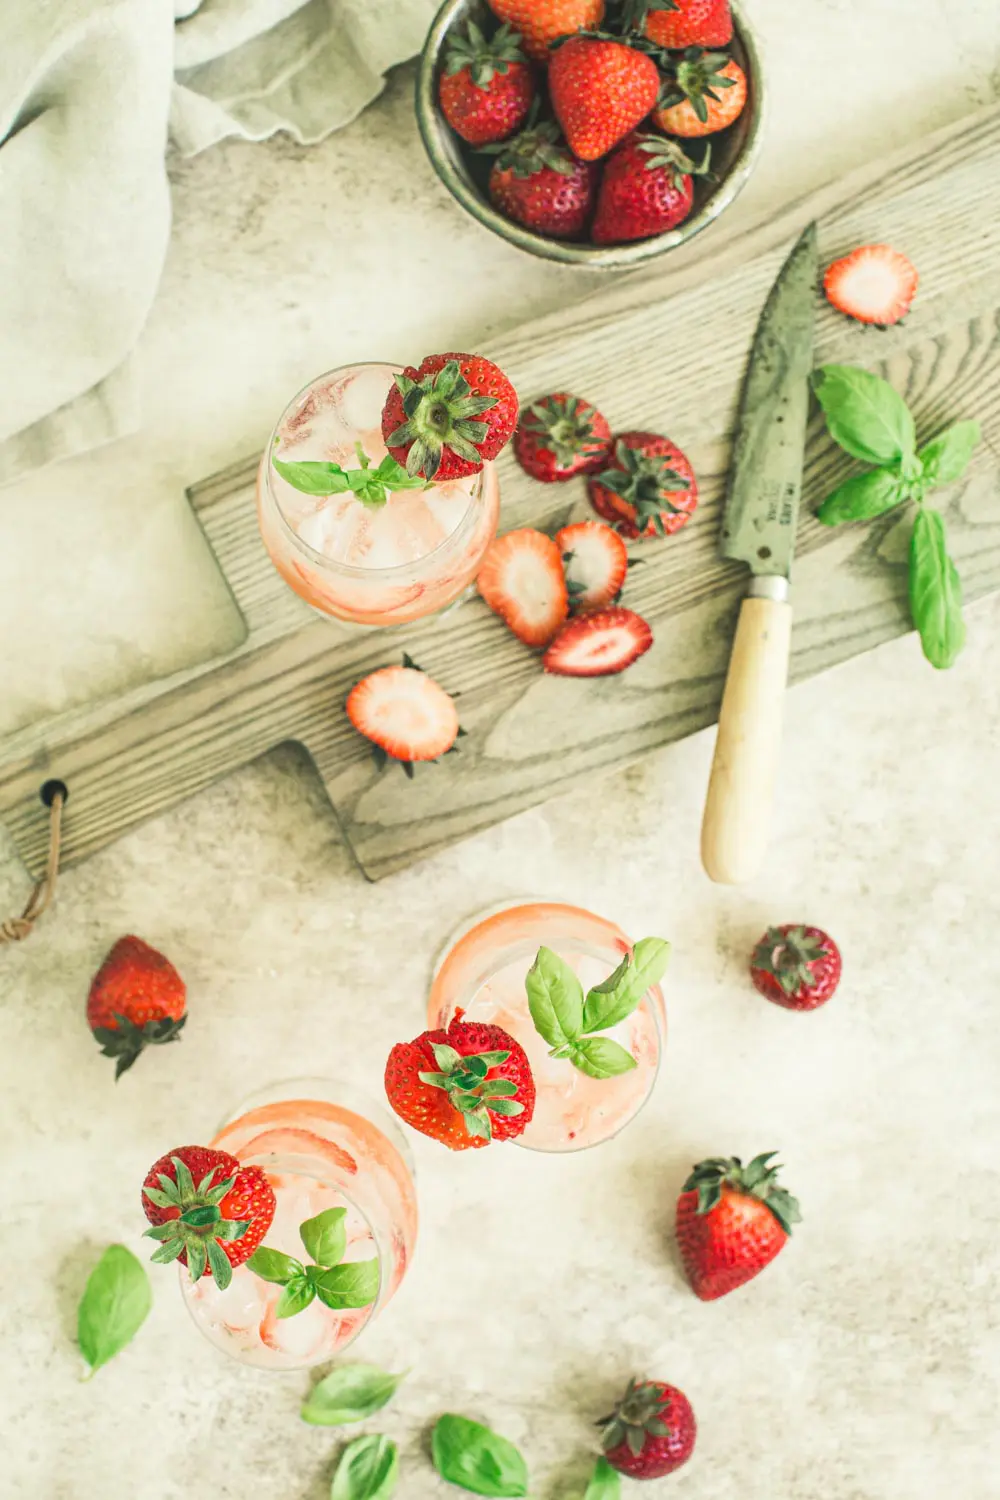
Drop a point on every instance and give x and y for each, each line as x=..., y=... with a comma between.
x=599, y=644
x=874, y=284
x=522, y=581
x=405, y=713
x=596, y=561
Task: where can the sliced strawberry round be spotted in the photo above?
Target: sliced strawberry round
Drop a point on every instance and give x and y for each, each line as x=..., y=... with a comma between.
x=874, y=284
x=207, y=1211
x=598, y=645
x=522, y=581
x=446, y=417
x=560, y=436
x=596, y=562
x=464, y=1087
x=648, y=489
x=405, y=713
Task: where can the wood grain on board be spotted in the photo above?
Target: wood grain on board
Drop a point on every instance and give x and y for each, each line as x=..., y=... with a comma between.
x=663, y=349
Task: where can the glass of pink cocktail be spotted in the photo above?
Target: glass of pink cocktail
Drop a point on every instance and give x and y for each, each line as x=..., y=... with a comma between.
x=329, y=1153
x=484, y=973
x=362, y=564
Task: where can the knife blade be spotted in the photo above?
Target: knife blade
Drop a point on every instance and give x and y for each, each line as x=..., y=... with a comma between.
x=758, y=528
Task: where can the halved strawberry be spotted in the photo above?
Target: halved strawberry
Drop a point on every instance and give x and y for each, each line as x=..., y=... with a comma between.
x=405, y=713
x=596, y=561
x=522, y=581
x=598, y=645
x=874, y=284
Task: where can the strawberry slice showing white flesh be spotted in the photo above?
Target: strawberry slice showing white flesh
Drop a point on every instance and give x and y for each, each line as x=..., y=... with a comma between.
x=598, y=645
x=405, y=713
x=596, y=562
x=522, y=581
x=874, y=284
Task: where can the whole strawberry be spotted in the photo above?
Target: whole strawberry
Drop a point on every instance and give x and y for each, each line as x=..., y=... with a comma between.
x=731, y=1222
x=449, y=415
x=137, y=999
x=707, y=93
x=647, y=189
x=797, y=967
x=560, y=436
x=537, y=182
x=682, y=23
x=207, y=1211
x=651, y=1432
x=487, y=87
x=541, y=22
x=465, y=1087
x=649, y=489
x=600, y=91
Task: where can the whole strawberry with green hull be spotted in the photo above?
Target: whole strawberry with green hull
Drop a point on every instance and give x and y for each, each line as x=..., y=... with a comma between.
x=651, y=1431
x=600, y=91
x=487, y=87
x=537, y=182
x=649, y=489
x=207, y=1211
x=682, y=23
x=560, y=436
x=731, y=1222
x=465, y=1086
x=541, y=22
x=647, y=189
x=707, y=93
x=137, y=999
x=796, y=967
x=446, y=417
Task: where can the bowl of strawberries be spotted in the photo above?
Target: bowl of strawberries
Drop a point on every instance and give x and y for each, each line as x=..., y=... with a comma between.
x=595, y=132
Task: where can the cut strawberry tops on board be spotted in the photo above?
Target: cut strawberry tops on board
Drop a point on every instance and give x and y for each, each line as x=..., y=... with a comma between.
x=464, y=1086
x=731, y=1222
x=446, y=417
x=405, y=713
x=600, y=644
x=596, y=562
x=522, y=581
x=649, y=489
x=137, y=999
x=873, y=284
x=560, y=436
x=207, y=1211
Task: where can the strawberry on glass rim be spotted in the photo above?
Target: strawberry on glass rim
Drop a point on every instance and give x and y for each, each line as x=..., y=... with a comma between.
x=448, y=416
x=207, y=1211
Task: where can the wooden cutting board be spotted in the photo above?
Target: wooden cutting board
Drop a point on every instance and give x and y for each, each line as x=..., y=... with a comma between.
x=664, y=349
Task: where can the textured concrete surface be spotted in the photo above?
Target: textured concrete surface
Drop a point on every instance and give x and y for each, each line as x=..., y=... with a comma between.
x=865, y=1364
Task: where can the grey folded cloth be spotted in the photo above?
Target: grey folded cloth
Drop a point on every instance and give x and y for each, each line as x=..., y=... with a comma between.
x=87, y=91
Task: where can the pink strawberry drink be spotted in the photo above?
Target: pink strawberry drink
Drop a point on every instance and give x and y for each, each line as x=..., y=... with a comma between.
x=322, y=1146
x=367, y=564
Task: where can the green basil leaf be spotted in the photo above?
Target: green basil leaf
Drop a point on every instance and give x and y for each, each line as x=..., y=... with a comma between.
x=367, y=1470
x=865, y=415
x=600, y=1057
x=473, y=1456
x=314, y=478
x=325, y=1237
x=295, y=1297
x=946, y=457
x=605, y=1008
x=274, y=1265
x=555, y=998
x=605, y=1482
x=355, y=1283
x=114, y=1306
x=349, y=1394
x=935, y=591
x=864, y=496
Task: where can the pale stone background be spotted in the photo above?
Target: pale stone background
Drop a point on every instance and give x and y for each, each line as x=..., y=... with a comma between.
x=865, y=1364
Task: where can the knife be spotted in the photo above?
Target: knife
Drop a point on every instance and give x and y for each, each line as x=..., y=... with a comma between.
x=758, y=528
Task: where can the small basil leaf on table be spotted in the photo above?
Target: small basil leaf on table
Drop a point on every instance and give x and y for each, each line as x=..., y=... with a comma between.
x=606, y=1007
x=114, y=1306
x=865, y=415
x=605, y=1482
x=601, y=1057
x=325, y=1237
x=353, y=1284
x=863, y=497
x=295, y=1297
x=555, y=998
x=946, y=457
x=274, y=1265
x=473, y=1456
x=367, y=1470
x=935, y=591
x=349, y=1394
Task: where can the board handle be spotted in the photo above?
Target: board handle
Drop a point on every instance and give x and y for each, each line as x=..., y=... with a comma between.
x=736, y=825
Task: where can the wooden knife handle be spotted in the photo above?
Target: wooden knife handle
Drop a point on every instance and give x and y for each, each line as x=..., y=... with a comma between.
x=736, y=825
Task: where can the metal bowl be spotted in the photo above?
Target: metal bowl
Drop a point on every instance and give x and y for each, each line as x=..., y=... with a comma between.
x=734, y=155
